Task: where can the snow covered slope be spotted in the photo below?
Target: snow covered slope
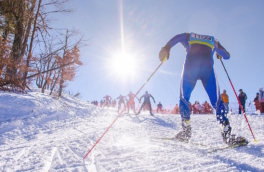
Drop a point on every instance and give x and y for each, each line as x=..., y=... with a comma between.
x=42, y=133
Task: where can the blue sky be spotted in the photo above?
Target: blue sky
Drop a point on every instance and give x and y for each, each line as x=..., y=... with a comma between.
x=141, y=28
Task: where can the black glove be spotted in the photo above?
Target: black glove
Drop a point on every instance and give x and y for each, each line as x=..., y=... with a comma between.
x=164, y=53
x=218, y=56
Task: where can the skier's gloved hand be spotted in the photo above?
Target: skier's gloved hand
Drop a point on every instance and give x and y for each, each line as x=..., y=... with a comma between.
x=218, y=56
x=164, y=53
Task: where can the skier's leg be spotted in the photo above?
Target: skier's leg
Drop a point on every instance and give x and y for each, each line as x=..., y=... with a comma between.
x=188, y=82
x=239, y=110
x=226, y=107
x=119, y=105
x=244, y=106
x=123, y=104
x=143, y=104
x=210, y=83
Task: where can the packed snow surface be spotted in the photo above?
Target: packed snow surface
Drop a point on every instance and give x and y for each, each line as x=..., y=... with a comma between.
x=39, y=132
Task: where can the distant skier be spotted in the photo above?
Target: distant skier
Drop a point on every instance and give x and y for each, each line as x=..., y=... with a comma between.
x=198, y=65
x=131, y=100
x=107, y=100
x=159, y=107
x=146, y=102
x=121, y=101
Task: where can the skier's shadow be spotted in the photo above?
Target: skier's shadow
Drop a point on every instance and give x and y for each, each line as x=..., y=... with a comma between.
x=240, y=166
x=154, y=120
x=255, y=150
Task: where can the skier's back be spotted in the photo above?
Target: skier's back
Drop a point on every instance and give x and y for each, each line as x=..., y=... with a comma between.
x=121, y=101
x=147, y=97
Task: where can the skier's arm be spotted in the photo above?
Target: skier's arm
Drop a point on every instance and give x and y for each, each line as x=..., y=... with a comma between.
x=141, y=98
x=165, y=51
x=152, y=98
x=221, y=50
x=180, y=38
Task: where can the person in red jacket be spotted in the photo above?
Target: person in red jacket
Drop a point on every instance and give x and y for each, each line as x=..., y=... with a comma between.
x=131, y=100
x=257, y=103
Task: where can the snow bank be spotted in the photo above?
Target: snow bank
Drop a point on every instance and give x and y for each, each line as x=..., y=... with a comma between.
x=17, y=110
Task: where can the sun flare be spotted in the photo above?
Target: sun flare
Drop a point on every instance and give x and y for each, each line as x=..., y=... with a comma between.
x=123, y=64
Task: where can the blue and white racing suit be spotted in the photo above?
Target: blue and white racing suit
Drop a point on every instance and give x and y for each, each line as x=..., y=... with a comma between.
x=199, y=66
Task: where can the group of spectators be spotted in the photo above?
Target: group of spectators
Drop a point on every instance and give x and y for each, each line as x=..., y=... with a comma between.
x=111, y=103
x=242, y=96
x=196, y=108
x=95, y=102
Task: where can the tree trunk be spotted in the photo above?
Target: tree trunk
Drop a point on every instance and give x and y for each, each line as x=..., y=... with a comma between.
x=30, y=20
x=31, y=44
x=17, y=43
x=52, y=87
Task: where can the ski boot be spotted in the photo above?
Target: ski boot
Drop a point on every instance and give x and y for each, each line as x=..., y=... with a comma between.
x=186, y=132
x=226, y=132
x=231, y=140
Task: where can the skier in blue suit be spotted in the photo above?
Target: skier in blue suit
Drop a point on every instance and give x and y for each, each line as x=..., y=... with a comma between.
x=199, y=66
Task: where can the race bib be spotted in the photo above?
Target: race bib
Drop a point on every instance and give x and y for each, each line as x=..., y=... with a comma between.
x=201, y=39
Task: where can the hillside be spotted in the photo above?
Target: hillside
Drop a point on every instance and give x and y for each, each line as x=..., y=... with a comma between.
x=41, y=133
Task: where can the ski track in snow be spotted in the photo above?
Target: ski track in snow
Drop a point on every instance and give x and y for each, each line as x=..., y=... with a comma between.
x=59, y=132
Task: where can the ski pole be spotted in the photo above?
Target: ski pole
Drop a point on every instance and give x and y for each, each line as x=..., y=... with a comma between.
x=123, y=109
x=218, y=56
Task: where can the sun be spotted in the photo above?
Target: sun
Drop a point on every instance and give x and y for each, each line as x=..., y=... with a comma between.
x=123, y=64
